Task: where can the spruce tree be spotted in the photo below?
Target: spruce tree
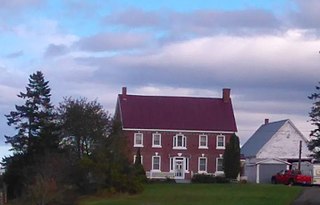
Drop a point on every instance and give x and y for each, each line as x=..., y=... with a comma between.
x=314, y=144
x=36, y=136
x=34, y=120
x=231, y=158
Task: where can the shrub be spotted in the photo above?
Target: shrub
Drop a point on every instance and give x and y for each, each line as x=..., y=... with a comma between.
x=206, y=178
x=166, y=180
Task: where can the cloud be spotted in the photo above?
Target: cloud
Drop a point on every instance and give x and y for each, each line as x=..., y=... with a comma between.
x=198, y=22
x=306, y=15
x=4, y=151
x=272, y=62
x=15, y=54
x=113, y=41
x=55, y=50
x=19, y=4
x=134, y=17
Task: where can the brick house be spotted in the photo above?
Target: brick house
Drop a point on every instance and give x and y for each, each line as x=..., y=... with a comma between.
x=177, y=136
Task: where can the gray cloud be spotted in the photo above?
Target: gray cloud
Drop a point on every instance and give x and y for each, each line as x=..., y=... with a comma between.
x=19, y=4
x=307, y=14
x=134, y=17
x=273, y=74
x=15, y=54
x=113, y=41
x=54, y=50
x=199, y=21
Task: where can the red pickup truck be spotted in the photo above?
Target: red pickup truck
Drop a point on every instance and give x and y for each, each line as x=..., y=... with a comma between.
x=290, y=177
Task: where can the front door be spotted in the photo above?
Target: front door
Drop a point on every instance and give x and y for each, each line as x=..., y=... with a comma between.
x=179, y=168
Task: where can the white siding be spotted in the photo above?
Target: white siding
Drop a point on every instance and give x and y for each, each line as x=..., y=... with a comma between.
x=285, y=144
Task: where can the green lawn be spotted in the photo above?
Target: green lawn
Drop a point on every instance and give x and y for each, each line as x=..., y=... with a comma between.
x=204, y=194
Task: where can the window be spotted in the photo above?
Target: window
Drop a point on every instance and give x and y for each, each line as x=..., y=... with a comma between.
x=171, y=163
x=219, y=165
x=220, y=142
x=138, y=140
x=202, y=164
x=135, y=157
x=179, y=141
x=156, y=140
x=203, y=141
x=187, y=164
x=156, y=160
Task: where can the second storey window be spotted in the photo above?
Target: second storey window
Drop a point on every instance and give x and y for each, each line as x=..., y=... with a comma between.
x=138, y=140
x=203, y=141
x=179, y=141
x=221, y=142
x=156, y=140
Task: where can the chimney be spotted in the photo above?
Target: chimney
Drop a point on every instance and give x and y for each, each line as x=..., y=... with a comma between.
x=124, y=91
x=266, y=121
x=226, y=95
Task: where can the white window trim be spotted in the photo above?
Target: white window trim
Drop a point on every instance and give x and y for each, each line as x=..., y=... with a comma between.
x=187, y=164
x=224, y=142
x=203, y=147
x=135, y=139
x=157, y=170
x=135, y=157
x=206, y=170
x=175, y=142
x=153, y=145
x=171, y=164
x=219, y=172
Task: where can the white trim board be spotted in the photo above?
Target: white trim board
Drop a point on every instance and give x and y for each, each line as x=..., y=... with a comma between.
x=163, y=130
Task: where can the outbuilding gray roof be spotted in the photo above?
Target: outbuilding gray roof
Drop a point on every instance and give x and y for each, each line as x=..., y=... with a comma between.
x=260, y=138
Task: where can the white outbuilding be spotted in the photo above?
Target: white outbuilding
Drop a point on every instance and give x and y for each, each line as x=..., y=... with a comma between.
x=272, y=148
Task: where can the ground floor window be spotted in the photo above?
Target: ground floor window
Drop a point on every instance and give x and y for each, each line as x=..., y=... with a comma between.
x=156, y=163
x=219, y=164
x=202, y=164
x=135, y=158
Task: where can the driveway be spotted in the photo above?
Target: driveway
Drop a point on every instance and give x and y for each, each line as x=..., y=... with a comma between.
x=309, y=196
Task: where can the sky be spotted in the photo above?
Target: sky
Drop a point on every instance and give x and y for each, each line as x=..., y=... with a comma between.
x=267, y=52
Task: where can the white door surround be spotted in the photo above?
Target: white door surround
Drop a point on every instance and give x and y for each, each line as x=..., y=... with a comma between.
x=179, y=164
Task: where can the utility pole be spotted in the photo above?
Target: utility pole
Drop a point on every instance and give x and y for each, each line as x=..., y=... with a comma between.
x=300, y=147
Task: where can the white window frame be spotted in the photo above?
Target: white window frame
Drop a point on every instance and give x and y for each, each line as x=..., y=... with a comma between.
x=136, y=135
x=175, y=141
x=153, y=140
x=135, y=157
x=153, y=157
x=206, y=164
x=187, y=162
x=171, y=164
x=203, y=146
x=224, y=141
x=217, y=160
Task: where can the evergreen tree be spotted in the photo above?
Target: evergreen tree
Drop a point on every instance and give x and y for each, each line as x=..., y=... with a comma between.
x=231, y=158
x=36, y=135
x=139, y=171
x=34, y=120
x=314, y=144
x=123, y=176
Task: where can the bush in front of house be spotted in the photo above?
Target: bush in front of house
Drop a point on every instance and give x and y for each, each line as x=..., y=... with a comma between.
x=166, y=180
x=206, y=178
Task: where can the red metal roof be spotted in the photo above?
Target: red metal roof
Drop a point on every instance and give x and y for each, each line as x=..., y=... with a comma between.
x=176, y=113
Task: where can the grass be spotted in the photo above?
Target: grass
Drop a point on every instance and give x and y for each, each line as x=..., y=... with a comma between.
x=204, y=194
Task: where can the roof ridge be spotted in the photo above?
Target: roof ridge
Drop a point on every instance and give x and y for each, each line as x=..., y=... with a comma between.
x=166, y=96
